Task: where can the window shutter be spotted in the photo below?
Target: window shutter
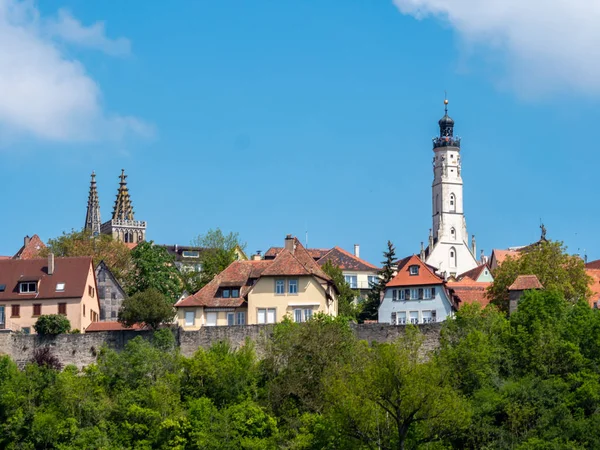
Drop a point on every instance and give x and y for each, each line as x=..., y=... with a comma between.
x=407, y=294
x=432, y=292
x=394, y=294
x=421, y=293
x=433, y=316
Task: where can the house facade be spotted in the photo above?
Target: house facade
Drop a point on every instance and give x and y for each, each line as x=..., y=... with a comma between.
x=415, y=295
x=34, y=287
x=261, y=292
x=110, y=293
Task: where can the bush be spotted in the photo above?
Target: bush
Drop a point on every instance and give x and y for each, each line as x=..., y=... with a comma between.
x=44, y=357
x=52, y=324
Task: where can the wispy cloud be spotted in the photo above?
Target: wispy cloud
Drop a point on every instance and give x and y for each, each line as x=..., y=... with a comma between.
x=43, y=92
x=546, y=45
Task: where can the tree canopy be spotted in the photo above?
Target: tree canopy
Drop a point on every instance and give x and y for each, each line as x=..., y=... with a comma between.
x=347, y=305
x=149, y=307
x=554, y=267
x=114, y=253
x=154, y=268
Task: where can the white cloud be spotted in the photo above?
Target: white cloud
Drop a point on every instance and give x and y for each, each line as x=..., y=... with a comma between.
x=547, y=45
x=46, y=93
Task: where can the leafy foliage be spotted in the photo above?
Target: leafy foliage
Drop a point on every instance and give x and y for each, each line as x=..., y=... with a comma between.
x=154, y=269
x=149, y=308
x=218, y=251
x=554, y=267
x=114, y=253
x=371, y=306
x=52, y=324
x=347, y=297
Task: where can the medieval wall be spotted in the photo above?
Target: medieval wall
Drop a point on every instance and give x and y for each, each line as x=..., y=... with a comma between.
x=82, y=349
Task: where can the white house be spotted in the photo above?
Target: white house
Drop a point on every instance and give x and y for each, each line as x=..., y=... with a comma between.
x=415, y=295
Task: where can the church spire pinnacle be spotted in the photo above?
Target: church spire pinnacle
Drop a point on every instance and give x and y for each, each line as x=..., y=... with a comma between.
x=92, y=217
x=123, y=209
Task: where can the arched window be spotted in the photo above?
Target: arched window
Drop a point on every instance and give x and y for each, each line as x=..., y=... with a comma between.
x=452, y=257
x=453, y=233
x=128, y=237
x=452, y=203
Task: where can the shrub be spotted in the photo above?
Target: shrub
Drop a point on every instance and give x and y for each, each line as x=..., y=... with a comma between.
x=44, y=357
x=52, y=324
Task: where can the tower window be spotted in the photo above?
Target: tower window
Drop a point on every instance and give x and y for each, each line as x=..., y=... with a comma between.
x=452, y=203
x=452, y=257
x=453, y=233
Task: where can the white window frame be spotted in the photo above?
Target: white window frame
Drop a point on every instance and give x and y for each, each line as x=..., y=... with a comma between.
x=401, y=317
x=298, y=316
x=414, y=270
x=22, y=285
x=414, y=293
x=352, y=281
x=413, y=320
x=186, y=315
x=230, y=319
x=308, y=312
x=266, y=312
x=240, y=318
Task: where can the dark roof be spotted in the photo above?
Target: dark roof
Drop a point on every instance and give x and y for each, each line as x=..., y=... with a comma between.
x=474, y=273
x=31, y=248
x=316, y=253
x=593, y=264
x=245, y=273
x=525, y=282
x=71, y=271
x=346, y=260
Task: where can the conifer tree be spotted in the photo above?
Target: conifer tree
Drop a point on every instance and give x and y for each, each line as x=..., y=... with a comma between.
x=371, y=306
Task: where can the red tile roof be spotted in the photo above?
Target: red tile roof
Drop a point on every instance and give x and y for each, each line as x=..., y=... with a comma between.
x=71, y=271
x=424, y=277
x=501, y=255
x=31, y=249
x=525, y=282
x=593, y=264
x=113, y=326
x=244, y=273
x=346, y=261
x=474, y=273
x=468, y=292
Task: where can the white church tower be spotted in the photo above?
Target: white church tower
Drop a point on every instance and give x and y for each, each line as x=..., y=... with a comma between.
x=449, y=251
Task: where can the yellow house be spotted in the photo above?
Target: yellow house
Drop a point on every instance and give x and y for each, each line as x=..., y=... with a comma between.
x=30, y=288
x=261, y=292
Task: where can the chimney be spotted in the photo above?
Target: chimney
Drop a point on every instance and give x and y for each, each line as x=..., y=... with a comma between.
x=357, y=250
x=50, y=263
x=289, y=243
x=257, y=256
x=26, y=240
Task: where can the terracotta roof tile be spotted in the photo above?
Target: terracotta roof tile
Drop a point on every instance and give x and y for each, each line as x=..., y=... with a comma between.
x=501, y=255
x=525, y=282
x=593, y=264
x=31, y=249
x=71, y=271
x=404, y=278
x=112, y=326
x=469, y=292
x=346, y=260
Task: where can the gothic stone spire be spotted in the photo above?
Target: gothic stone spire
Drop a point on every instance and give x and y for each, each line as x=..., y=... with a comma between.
x=92, y=217
x=123, y=209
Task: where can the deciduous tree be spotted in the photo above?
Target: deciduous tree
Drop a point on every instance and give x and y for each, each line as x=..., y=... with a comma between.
x=347, y=305
x=150, y=308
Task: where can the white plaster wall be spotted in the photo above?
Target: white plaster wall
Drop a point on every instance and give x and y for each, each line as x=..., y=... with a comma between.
x=440, y=304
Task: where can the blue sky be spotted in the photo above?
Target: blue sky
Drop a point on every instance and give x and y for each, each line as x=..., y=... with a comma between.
x=268, y=118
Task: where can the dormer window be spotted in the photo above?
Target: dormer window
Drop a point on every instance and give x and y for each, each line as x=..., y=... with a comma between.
x=28, y=287
x=233, y=292
x=414, y=270
x=190, y=254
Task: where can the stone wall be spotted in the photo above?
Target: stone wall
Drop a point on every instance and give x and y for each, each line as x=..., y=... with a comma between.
x=82, y=349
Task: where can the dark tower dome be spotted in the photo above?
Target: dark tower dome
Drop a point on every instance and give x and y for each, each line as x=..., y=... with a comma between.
x=446, y=124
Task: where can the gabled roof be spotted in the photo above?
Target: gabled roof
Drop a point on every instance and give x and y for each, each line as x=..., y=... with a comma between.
x=243, y=274
x=426, y=276
x=474, y=273
x=500, y=255
x=525, y=282
x=31, y=248
x=102, y=267
x=73, y=272
x=346, y=261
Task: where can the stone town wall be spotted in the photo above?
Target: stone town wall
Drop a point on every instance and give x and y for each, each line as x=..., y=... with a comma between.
x=82, y=349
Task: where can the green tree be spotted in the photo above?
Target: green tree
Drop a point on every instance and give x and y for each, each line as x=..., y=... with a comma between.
x=115, y=254
x=549, y=261
x=52, y=324
x=150, y=308
x=370, y=308
x=154, y=268
x=347, y=297
x=218, y=251
x=387, y=397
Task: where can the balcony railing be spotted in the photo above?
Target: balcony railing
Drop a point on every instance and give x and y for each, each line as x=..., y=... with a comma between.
x=359, y=285
x=446, y=141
